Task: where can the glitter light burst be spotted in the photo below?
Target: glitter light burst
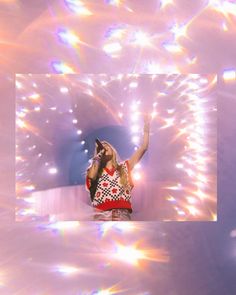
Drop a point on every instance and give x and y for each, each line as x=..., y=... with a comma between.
x=155, y=39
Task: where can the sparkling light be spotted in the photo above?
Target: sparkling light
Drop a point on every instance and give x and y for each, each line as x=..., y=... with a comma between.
x=224, y=27
x=78, y=7
x=191, y=200
x=30, y=200
x=65, y=225
x=62, y=68
x=112, y=48
x=21, y=114
x=154, y=114
x=30, y=187
x=67, y=269
x=135, y=128
x=68, y=37
x=192, y=210
x=229, y=75
x=224, y=6
x=179, y=165
x=133, y=255
x=137, y=175
x=179, y=30
x=114, y=3
x=173, y=47
x=52, y=171
x=135, y=139
x=37, y=109
x=18, y=85
x=165, y=3
x=133, y=85
x=135, y=116
x=34, y=96
x=168, y=123
x=64, y=90
x=130, y=254
x=170, y=111
x=152, y=67
x=28, y=211
x=120, y=115
x=137, y=166
x=142, y=39
x=233, y=233
x=134, y=106
x=20, y=123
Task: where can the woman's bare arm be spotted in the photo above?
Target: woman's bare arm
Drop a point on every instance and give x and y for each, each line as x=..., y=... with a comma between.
x=93, y=170
x=136, y=157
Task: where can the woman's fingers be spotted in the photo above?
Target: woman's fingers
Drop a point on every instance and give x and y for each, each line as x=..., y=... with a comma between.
x=147, y=119
x=101, y=153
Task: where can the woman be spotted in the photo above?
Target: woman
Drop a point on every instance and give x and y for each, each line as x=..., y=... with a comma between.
x=110, y=182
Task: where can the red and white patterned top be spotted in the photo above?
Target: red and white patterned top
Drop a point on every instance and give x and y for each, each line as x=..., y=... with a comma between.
x=110, y=194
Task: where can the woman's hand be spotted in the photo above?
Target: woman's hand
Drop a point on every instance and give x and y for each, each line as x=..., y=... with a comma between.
x=93, y=170
x=101, y=153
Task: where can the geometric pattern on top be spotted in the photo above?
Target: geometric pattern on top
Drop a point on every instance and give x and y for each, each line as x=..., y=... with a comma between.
x=109, y=188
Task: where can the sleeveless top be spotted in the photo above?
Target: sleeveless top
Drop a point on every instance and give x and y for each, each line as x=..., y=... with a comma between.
x=109, y=193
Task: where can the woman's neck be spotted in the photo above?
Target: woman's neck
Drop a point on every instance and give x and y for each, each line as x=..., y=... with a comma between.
x=109, y=164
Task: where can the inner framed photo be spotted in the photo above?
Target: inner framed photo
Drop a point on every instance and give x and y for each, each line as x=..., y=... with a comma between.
x=122, y=147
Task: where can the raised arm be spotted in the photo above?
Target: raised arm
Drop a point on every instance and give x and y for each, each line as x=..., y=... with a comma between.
x=136, y=157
